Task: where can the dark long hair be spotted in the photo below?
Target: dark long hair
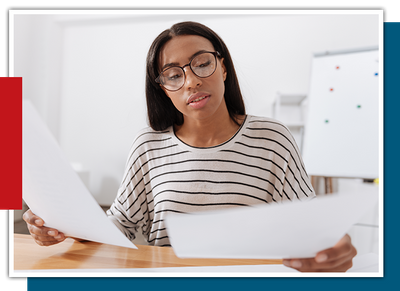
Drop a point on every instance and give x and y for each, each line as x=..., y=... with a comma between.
x=161, y=111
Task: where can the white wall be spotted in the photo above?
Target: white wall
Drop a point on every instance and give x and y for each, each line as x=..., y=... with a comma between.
x=85, y=74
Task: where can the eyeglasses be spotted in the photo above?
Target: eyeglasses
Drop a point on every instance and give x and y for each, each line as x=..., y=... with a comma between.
x=202, y=65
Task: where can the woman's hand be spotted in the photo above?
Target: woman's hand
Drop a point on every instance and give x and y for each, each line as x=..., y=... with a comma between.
x=42, y=235
x=336, y=259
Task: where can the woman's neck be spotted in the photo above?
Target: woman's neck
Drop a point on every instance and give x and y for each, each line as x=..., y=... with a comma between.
x=208, y=132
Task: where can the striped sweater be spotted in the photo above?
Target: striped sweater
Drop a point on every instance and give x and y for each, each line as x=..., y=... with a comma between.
x=261, y=163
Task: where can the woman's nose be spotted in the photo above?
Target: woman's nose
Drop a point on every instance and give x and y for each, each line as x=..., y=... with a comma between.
x=192, y=80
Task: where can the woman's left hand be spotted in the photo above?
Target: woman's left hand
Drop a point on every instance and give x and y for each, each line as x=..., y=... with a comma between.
x=336, y=259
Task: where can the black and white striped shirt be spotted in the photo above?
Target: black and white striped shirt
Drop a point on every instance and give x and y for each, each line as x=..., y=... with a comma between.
x=261, y=163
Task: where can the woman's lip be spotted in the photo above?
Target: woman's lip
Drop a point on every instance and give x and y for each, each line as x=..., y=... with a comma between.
x=200, y=103
x=196, y=96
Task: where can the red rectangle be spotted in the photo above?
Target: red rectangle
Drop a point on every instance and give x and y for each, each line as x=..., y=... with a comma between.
x=11, y=142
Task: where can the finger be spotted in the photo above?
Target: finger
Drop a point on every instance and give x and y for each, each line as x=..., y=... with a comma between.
x=47, y=240
x=47, y=243
x=310, y=265
x=60, y=237
x=342, y=249
x=340, y=268
x=347, y=264
x=33, y=219
x=46, y=234
x=342, y=263
x=43, y=231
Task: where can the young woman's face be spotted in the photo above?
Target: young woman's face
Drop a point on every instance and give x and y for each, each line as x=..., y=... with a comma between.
x=199, y=98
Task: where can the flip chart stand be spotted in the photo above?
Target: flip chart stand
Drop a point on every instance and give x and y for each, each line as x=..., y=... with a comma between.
x=341, y=134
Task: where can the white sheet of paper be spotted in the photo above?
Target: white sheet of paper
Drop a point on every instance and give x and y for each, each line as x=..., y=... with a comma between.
x=365, y=263
x=53, y=190
x=287, y=230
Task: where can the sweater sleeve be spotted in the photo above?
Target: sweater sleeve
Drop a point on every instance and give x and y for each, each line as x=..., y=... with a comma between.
x=297, y=184
x=129, y=210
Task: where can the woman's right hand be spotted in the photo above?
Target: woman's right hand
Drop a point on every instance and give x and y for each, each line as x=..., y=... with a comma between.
x=43, y=236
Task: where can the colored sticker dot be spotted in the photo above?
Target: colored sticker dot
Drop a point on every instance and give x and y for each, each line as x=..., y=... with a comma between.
x=326, y=121
x=376, y=74
x=358, y=106
x=337, y=68
x=331, y=90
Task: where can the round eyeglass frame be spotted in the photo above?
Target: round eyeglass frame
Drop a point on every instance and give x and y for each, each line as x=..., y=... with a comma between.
x=158, y=79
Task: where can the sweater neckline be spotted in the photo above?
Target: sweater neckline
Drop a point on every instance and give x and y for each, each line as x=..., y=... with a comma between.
x=215, y=148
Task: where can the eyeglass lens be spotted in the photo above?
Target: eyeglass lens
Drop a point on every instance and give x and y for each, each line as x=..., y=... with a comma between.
x=203, y=65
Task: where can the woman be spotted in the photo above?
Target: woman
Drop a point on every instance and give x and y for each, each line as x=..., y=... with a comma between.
x=202, y=151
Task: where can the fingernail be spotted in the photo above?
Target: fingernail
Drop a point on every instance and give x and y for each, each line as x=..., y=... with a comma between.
x=38, y=222
x=321, y=258
x=296, y=264
x=58, y=237
x=51, y=232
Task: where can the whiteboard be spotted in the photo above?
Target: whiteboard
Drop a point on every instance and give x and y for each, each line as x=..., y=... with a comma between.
x=341, y=137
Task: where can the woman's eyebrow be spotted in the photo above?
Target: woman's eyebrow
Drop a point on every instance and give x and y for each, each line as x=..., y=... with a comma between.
x=177, y=64
x=169, y=65
x=197, y=53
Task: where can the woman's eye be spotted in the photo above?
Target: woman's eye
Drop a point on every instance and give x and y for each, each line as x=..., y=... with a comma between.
x=204, y=64
x=173, y=74
x=174, y=77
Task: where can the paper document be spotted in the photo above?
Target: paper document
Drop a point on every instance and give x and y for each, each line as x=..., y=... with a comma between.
x=287, y=230
x=53, y=190
x=365, y=263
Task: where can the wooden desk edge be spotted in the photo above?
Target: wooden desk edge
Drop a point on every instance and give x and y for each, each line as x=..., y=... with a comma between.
x=72, y=254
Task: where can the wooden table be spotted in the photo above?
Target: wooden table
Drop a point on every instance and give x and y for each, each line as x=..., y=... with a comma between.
x=71, y=254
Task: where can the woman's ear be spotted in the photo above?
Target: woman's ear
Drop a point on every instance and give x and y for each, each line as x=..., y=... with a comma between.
x=223, y=69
